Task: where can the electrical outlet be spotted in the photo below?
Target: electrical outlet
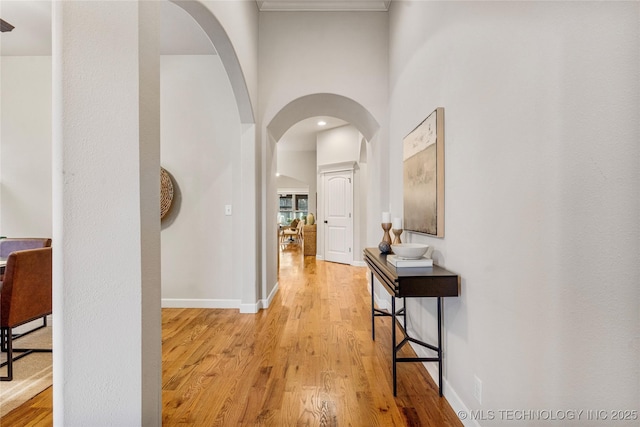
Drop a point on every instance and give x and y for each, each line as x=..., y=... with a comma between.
x=227, y=210
x=477, y=389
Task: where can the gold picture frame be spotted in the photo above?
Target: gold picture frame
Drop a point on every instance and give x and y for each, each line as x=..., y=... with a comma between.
x=423, y=176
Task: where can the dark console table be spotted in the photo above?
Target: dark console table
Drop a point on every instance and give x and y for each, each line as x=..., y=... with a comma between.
x=410, y=282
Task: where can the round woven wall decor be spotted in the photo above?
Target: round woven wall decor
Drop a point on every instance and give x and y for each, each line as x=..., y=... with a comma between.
x=166, y=192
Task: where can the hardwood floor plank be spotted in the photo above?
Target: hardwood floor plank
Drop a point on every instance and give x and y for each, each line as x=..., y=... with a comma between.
x=308, y=360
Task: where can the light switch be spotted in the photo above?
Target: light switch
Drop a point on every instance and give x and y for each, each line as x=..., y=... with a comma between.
x=227, y=210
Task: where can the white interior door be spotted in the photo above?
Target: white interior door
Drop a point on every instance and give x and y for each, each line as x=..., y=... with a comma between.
x=338, y=213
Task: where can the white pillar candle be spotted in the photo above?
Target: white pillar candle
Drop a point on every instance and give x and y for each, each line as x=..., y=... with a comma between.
x=386, y=217
x=397, y=224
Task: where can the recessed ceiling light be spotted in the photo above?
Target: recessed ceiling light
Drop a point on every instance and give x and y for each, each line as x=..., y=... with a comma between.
x=277, y=173
x=322, y=123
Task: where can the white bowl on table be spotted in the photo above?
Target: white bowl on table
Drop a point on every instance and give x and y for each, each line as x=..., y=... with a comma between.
x=410, y=250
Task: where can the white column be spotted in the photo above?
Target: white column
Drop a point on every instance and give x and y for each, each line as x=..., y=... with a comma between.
x=248, y=262
x=106, y=163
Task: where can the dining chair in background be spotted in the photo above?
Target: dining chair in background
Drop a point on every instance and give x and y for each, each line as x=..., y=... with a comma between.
x=12, y=244
x=295, y=233
x=25, y=296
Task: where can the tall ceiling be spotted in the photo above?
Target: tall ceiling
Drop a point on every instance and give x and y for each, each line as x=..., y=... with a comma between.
x=178, y=36
x=32, y=19
x=32, y=33
x=302, y=135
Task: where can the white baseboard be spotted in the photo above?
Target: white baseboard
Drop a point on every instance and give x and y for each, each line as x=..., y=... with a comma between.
x=200, y=303
x=220, y=303
x=358, y=263
x=448, y=392
x=249, y=308
x=383, y=304
x=265, y=303
x=319, y=257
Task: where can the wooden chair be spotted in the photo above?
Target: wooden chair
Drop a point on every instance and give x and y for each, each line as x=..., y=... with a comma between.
x=25, y=296
x=295, y=233
x=282, y=238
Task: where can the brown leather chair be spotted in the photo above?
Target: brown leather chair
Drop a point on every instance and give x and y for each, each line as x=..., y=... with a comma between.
x=12, y=244
x=25, y=296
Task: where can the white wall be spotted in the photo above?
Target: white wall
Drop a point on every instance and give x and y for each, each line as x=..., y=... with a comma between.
x=240, y=21
x=291, y=185
x=541, y=192
x=233, y=29
x=200, y=148
x=304, y=53
x=338, y=145
x=361, y=198
x=312, y=53
x=25, y=146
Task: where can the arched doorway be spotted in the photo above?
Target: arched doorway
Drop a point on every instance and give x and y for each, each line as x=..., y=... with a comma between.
x=320, y=104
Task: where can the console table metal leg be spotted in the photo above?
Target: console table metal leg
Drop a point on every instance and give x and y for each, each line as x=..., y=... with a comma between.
x=440, y=344
x=373, y=311
x=393, y=341
x=441, y=283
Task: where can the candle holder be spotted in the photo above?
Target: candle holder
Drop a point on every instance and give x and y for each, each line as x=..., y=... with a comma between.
x=397, y=232
x=385, y=244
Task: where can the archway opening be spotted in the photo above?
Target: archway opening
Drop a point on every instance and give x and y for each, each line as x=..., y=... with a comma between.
x=336, y=148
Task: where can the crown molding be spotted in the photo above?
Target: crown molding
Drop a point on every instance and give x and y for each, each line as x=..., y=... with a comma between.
x=323, y=5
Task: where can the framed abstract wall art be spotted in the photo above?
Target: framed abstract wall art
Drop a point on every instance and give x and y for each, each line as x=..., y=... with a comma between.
x=423, y=171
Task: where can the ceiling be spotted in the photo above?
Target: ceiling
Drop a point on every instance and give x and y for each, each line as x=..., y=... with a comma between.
x=302, y=135
x=178, y=36
x=32, y=33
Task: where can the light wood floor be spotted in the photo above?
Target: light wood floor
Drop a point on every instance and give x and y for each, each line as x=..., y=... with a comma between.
x=306, y=361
